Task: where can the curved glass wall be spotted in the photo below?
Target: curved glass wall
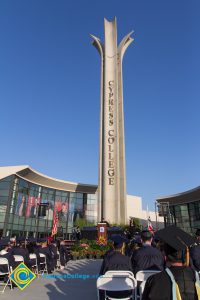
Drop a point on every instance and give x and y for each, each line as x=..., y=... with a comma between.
x=27, y=209
x=185, y=216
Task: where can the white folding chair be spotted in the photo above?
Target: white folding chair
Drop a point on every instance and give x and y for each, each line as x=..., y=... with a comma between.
x=18, y=258
x=128, y=273
x=118, y=281
x=4, y=262
x=141, y=289
x=58, y=260
x=142, y=277
x=32, y=257
x=144, y=274
x=43, y=263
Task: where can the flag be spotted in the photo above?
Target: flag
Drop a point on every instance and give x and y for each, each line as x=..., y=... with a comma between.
x=55, y=223
x=149, y=224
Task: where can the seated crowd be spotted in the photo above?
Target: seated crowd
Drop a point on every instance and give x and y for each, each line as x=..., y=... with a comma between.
x=174, y=256
x=171, y=252
x=54, y=251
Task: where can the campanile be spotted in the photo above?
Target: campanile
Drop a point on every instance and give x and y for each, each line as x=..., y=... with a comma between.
x=112, y=175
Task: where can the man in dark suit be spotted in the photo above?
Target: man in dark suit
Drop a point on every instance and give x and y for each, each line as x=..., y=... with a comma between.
x=147, y=257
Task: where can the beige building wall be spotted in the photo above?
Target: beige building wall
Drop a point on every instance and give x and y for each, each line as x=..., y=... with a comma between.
x=134, y=209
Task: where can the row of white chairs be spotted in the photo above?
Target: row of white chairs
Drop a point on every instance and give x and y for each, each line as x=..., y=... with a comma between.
x=123, y=281
x=20, y=259
x=4, y=261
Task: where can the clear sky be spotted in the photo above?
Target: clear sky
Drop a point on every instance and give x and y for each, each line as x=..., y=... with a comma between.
x=50, y=90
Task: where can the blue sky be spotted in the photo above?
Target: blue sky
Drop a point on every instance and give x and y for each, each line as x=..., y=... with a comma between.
x=50, y=90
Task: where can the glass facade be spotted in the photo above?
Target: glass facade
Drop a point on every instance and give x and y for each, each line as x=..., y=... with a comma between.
x=27, y=209
x=185, y=216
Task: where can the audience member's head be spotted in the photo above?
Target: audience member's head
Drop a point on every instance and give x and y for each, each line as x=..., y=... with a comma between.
x=118, y=243
x=146, y=237
x=4, y=244
x=21, y=242
x=44, y=242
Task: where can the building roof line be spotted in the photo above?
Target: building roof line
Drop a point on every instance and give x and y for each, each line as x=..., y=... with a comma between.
x=27, y=173
x=59, y=180
x=179, y=194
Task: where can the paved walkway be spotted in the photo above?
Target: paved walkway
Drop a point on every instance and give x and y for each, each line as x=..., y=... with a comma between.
x=61, y=288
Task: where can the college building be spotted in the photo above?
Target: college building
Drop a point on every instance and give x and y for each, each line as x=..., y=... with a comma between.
x=182, y=209
x=29, y=199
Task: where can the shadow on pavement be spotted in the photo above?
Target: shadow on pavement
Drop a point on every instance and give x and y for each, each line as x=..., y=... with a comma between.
x=75, y=288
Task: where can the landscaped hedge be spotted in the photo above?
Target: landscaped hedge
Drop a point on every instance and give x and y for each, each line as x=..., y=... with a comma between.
x=89, y=249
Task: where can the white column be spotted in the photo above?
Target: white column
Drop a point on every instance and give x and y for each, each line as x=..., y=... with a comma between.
x=112, y=179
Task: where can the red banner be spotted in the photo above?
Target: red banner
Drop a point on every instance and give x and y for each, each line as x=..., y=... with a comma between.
x=102, y=233
x=55, y=223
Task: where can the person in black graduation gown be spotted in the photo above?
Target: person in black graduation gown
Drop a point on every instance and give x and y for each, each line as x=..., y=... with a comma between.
x=159, y=286
x=115, y=260
x=64, y=255
x=195, y=252
x=53, y=249
x=33, y=249
x=147, y=257
x=109, y=251
x=5, y=253
x=44, y=249
x=20, y=249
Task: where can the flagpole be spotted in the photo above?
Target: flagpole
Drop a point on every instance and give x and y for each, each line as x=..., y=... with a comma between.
x=147, y=212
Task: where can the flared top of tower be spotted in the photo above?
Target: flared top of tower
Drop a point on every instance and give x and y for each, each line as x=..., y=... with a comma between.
x=110, y=33
x=113, y=22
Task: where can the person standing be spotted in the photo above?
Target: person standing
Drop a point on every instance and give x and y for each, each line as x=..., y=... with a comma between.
x=78, y=233
x=64, y=255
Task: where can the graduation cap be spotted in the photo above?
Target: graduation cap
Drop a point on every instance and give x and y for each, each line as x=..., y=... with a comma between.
x=4, y=242
x=42, y=240
x=175, y=237
x=32, y=240
x=21, y=239
x=176, y=243
x=118, y=239
x=136, y=240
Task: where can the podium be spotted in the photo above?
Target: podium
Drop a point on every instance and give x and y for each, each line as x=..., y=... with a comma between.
x=102, y=233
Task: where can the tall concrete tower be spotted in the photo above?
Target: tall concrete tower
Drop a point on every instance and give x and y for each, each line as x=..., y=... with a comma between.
x=112, y=177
